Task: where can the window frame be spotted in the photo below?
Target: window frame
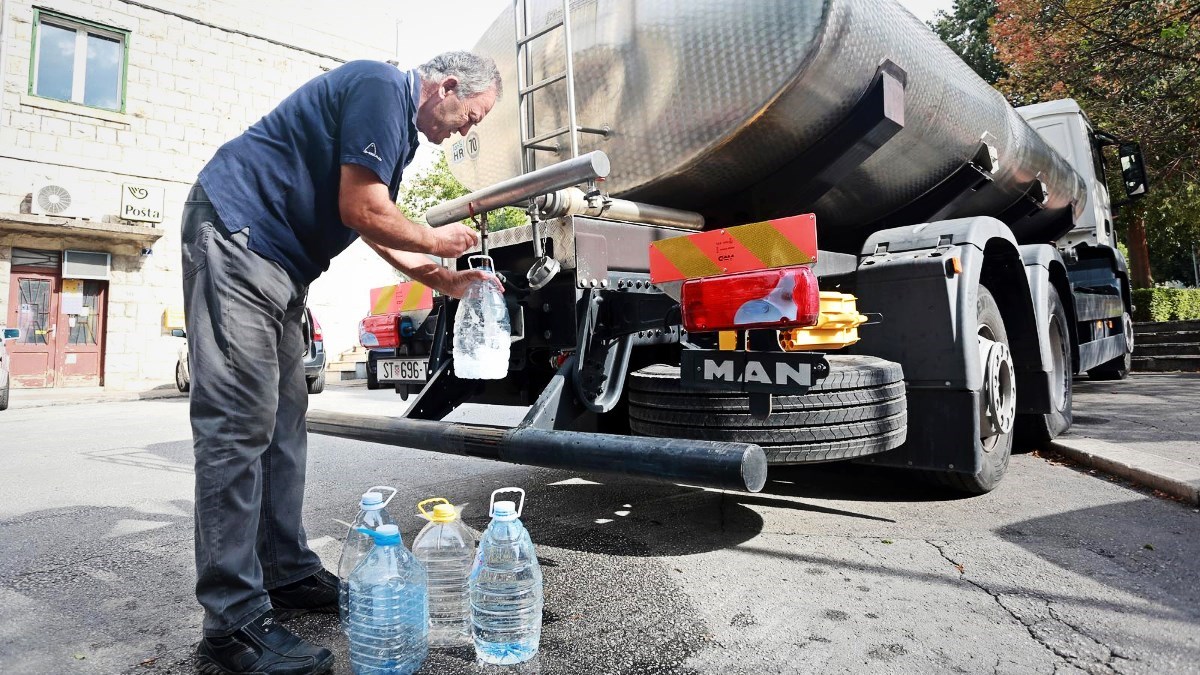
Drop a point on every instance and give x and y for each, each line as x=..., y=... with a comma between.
x=82, y=28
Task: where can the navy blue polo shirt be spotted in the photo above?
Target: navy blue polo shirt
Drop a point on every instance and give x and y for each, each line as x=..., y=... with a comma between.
x=280, y=178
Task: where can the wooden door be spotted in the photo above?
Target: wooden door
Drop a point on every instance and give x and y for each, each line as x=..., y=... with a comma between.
x=33, y=308
x=80, y=333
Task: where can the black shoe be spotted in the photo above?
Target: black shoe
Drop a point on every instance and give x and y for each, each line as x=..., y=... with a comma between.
x=262, y=647
x=314, y=593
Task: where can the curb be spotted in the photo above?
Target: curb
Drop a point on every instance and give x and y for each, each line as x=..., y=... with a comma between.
x=117, y=397
x=1177, y=479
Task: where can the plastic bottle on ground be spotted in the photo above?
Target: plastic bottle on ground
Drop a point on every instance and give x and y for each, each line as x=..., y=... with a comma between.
x=482, y=329
x=371, y=515
x=389, y=609
x=506, y=588
x=446, y=548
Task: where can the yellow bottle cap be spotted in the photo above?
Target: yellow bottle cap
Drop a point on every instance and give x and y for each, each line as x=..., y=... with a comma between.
x=444, y=513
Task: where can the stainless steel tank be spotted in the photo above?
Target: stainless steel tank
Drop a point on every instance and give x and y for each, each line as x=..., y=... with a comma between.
x=706, y=98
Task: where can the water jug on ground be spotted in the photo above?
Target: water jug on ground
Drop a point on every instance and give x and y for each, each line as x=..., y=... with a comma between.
x=446, y=547
x=372, y=513
x=506, y=588
x=389, y=609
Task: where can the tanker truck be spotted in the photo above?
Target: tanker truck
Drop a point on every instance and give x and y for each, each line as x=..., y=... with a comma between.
x=771, y=232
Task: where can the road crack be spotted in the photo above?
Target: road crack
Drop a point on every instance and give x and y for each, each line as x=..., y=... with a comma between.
x=1041, y=633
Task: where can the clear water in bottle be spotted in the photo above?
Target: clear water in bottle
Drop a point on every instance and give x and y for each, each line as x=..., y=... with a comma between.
x=372, y=513
x=506, y=589
x=389, y=609
x=446, y=548
x=482, y=329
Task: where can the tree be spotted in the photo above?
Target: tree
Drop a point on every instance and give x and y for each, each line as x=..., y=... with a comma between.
x=965, y=29
x=1134, y=65
x=436, y=185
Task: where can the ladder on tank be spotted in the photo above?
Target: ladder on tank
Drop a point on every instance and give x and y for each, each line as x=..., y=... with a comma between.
x=531, y=141
x=544, y=267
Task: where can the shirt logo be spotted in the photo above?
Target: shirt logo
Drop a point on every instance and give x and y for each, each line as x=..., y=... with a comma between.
x=372, y=151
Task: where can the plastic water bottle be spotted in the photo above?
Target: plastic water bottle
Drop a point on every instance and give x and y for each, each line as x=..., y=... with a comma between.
x=481, y=328
x=372, y=515
x=389, y=609
x=446, y=548
x=506, y=588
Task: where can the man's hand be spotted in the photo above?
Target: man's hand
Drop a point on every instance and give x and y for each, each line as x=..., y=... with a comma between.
x=451, y=241
x=431, y=273
x=456, y=282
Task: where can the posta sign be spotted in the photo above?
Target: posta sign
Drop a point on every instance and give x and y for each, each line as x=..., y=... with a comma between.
x=142, y=202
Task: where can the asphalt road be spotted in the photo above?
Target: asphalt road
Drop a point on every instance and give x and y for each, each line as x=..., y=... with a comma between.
x=830, y=569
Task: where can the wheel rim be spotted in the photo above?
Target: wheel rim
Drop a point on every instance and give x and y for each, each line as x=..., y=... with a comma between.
x=998, y=398
x=178, y=376
x=1127, y=325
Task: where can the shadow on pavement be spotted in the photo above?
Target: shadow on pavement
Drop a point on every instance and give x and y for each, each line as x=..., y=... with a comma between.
x=1151, y=542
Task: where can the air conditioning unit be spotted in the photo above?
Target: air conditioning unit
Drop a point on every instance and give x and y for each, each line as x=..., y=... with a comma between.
x=58, y=199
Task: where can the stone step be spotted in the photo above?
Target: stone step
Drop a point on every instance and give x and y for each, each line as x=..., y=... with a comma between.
x=1167, y=337
x=1166, y=326
x=1166, y=364
x=1167, y=349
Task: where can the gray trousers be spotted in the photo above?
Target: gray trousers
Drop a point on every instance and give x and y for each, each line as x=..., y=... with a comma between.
x=248, y=405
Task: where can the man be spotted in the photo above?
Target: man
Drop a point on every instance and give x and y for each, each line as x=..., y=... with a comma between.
x=270, y=210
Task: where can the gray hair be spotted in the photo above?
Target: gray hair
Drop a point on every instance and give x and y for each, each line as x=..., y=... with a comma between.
x=475, y=74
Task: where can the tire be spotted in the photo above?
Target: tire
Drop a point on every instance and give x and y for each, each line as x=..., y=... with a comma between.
x=4, y=394
x=372, y=376
x=996, y=449
x=1118, y=368
x=859, y=409
x=1035, y=429
x=182, y=383
x=317, y=384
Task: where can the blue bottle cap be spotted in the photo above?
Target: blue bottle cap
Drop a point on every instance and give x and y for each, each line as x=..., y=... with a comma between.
x=384, y=535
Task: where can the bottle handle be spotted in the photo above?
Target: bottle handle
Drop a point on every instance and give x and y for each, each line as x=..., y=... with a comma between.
x=387, y=501
x=520, y=506
x=421, y=505
x=491, y=264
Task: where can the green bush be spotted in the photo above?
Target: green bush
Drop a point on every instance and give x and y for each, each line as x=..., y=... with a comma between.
x=1166, y=304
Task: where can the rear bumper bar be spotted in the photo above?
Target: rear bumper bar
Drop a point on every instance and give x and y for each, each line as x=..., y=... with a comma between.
x=734, y=466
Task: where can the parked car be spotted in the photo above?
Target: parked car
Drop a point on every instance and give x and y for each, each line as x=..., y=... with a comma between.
x=314, y=356
x=5, y=380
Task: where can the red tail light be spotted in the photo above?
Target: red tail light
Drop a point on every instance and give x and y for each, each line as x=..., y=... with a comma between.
x=774, y=298
x=380, y=330
x=317, y=336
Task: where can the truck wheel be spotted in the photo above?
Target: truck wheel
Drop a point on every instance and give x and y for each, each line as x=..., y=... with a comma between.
x=1038, y=428
x=859, y=409
x=1118, y=368
x=372, y=376
x=998, y=402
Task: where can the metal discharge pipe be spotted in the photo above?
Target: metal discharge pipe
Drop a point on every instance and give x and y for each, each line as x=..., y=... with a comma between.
x=572, y=202
x=734, y=466
x=521, y=188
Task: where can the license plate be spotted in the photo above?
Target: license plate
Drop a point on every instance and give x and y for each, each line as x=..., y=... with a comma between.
x=759, y=372
x=401, y=370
